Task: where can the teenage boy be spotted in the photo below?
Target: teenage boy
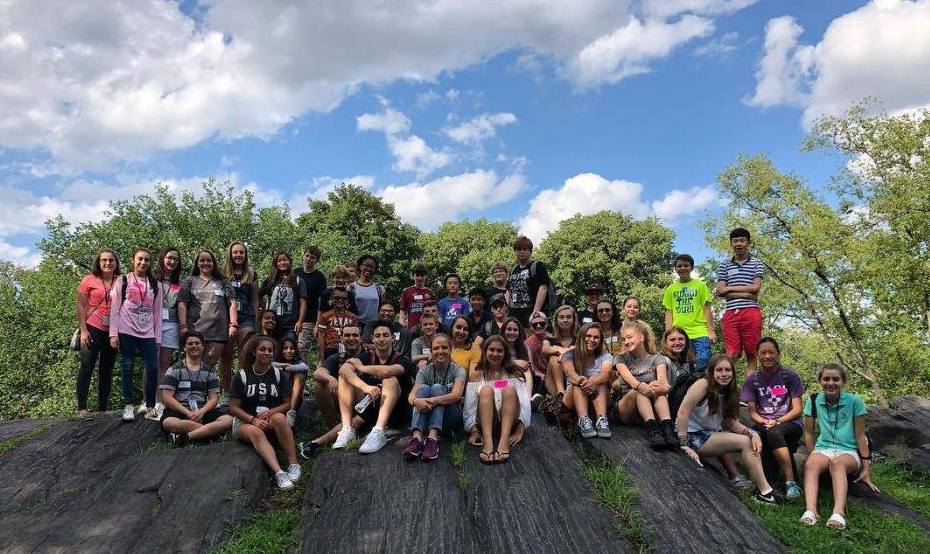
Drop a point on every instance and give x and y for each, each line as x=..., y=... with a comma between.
x=421, y=349
x=499, y=281
x=496, y=323
x=429, y=307
x=315, y=282
x=386, y=312
x=341, y=278
x=381, y=375
x=479, y=316
x=190, y=392
x=413, y=297
x=528, y=283
x=331, y=324
x=452, y=305
x=688, y=305
x=592, y=295
x=326, y=375
x=739, y=280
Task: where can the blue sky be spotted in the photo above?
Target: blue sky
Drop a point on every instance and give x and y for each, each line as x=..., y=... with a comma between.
x=520, y=111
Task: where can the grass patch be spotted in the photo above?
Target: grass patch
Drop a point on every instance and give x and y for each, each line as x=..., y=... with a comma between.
x=913, y=490
x=868, y=530
x=13, y=442
x=458, y=453
x=613, y=486
x=271, y=531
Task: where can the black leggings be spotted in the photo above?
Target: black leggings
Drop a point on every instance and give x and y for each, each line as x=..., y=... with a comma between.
x=783, y=435
x=99, y=347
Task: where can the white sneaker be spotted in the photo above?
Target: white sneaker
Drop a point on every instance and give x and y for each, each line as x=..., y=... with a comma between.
x=374, y=442
x=129, y=413
x=153, y=414
x=159, y=409
x=293, y=472
x=343, y=438
x=142, y=409
x=283, y=481
x=291, y=417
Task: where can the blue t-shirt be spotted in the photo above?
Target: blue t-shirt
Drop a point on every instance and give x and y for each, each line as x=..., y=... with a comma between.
x=838, y=422
x=450, y=308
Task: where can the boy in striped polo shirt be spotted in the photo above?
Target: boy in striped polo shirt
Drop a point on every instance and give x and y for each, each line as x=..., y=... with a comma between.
x=739, y=280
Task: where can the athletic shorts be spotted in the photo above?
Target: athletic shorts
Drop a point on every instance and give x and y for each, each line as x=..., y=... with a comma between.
x=742, y=329
x=169, y=335
x=833, y=454
x=208, y=417
x=696, y=439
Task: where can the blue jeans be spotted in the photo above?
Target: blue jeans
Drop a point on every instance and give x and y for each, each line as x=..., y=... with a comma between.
x=701, y=347
x=128, y=346
x=446, y=418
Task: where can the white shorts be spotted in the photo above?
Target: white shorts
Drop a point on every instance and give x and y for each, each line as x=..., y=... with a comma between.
x=169, y=335
x=470, y=412
x=833, y=454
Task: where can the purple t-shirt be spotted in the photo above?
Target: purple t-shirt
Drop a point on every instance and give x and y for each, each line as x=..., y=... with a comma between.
x=773, y=394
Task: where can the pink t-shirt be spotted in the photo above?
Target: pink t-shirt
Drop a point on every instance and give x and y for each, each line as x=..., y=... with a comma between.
x=540, y=362
x=140, y=315
x=97, y=311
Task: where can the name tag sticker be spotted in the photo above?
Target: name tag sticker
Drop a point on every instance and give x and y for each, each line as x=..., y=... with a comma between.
x=165, y=314
x=184, y=385
x=219, y=292
x=397, y=335
x=426, y=352
x=501, y=383
x=418, y=297
x=260, y=409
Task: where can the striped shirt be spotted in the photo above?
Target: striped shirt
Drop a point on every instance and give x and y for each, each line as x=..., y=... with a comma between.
x=740, y=275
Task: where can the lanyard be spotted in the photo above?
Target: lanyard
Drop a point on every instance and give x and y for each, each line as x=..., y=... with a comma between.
x=143, y=290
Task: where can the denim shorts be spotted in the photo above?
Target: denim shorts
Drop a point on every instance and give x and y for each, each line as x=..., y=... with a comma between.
x=696, y=439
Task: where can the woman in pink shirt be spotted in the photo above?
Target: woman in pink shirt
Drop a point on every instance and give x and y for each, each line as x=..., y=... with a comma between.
x=93, y=313
x=135, y=326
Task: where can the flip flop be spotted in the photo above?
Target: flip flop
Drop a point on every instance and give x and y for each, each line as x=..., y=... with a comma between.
x=809, y=518
x=836, y=521
x=486, y=457
x=501, y=457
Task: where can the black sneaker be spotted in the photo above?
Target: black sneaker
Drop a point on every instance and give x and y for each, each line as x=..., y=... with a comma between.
x=654, y=435
x=179, y=440
x=307, y=449
x=768, y=498
x=668, y=433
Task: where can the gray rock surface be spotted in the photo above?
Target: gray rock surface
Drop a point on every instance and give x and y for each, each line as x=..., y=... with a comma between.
x=17, y=427
x=109, y=486
x=380, y=503
x=689, y=509
x=902, y=431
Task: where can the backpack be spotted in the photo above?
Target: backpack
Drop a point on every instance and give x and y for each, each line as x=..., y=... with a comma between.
x=550, y=303
x=680, y=389
x=277, y=376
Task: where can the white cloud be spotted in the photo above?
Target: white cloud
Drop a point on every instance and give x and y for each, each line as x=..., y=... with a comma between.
x=630, y=49
x=96, y=83
x=589, y=193
x=428, y=204
x=411, y=153
x=389, y=122
x=677, y=203
x=479, y=129
x=669, y=8
x=19, y=255
x=424, y=99
x=718, y=47
x=586, y=193
x=878, y=50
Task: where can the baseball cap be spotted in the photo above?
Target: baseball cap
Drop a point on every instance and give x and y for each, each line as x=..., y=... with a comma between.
x=539, y=316
x=594, y=287
x=498, y=299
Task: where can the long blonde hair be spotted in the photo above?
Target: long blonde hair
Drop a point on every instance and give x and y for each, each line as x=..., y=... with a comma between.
x=248, y=276
x=643, y=328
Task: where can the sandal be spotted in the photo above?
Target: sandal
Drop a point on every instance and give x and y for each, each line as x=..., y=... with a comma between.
x=84, y=415
x=809, y=518
x=836, y=521
x=475, y=439
x=486, y=457
x=501, y=457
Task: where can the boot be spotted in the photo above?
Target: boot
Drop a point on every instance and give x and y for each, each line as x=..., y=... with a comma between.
x=668, y=433
x=654, y=435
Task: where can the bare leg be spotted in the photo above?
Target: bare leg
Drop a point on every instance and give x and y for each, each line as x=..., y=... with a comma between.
x=347, y=395
x=600, y=401
x=840, y=468
x=644, y=407
x=297, y=391
x=722, y=442
x=212, y=429
x=285, y=437
x=729, y=465
x=486, y=418
x=580, y=400
x=661, y=407
x=555, y=376
x=327, y=402
x=750, y=364
x=783, y=457
x=256, y=437
x=390, y=392
x=816, y=464
x=510, y=407
x=626, y=408
x=178, y=425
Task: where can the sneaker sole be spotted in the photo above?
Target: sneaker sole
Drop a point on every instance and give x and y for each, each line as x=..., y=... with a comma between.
x=604, y=435
x=589, y=434
x=411, y=455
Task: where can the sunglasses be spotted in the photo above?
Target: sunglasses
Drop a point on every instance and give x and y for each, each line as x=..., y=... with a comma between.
x=538, y=325
x=340, y=299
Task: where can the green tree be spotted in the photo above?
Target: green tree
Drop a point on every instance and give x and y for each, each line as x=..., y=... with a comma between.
x=352, y=222
x=469, y=248
x=626, y=256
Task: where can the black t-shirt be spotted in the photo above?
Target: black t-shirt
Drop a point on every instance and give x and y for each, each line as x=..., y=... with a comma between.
x=490, y=292
x=523, y=286
x=489, y=328
x=315, y=283
x=477, y=326
x=410, y=369
x=402, y=340
x=260, y=392
x=284, y=298
x=586, y=314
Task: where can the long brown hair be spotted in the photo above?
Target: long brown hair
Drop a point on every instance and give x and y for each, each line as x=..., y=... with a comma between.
x=687, y=353
x=582, y=358
x=161, y=272
x=95, y=268
x=468, y=342
x=248, y=276
x=506, y=363
x=723, y=400
x=247, y=356
x=275, y=275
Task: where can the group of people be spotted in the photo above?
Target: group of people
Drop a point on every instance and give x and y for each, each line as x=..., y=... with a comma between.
x=478, y=363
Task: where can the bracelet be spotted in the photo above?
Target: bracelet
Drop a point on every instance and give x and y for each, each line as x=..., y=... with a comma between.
x=236, y=325
x=867, y=458
x=683, y=441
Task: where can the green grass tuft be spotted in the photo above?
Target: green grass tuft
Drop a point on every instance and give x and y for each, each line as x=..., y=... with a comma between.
x=13, y=442
x=911, y=489
x=613, y=486
x=458, y=453
x=272, y=531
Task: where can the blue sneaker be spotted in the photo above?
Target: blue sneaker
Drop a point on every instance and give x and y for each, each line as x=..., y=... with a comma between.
x=792, y=490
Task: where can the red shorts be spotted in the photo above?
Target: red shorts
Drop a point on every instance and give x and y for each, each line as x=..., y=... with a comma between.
x=742, y=329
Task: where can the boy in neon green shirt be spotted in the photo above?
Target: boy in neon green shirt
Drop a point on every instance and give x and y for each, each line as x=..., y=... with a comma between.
x=687, y=305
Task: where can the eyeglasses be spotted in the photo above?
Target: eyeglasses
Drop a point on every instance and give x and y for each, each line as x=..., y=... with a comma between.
x=340, y=299
x=604, y=310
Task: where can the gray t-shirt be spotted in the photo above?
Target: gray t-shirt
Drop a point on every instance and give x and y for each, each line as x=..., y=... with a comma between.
x=643, y=368
x=191, y=385
x=429, y=375
x=420, y=347
x=367, y=299
x=595, y=366
x=207, y=306
x=169, y=300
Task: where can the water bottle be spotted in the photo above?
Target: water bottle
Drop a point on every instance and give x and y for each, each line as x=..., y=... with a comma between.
x=363, y=403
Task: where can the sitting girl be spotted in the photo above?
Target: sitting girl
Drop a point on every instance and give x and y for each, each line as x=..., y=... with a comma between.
x=565, y=329
x=258, y=402
x=496, y=397
x=841, y=446
x=711, y=405
x=289, y=360
x=588, y=369
x=435, y=399
x=464, y=352
x=644, y=384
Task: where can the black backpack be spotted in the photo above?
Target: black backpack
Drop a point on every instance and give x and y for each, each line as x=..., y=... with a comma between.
x=680, y=389
x=152, y=283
